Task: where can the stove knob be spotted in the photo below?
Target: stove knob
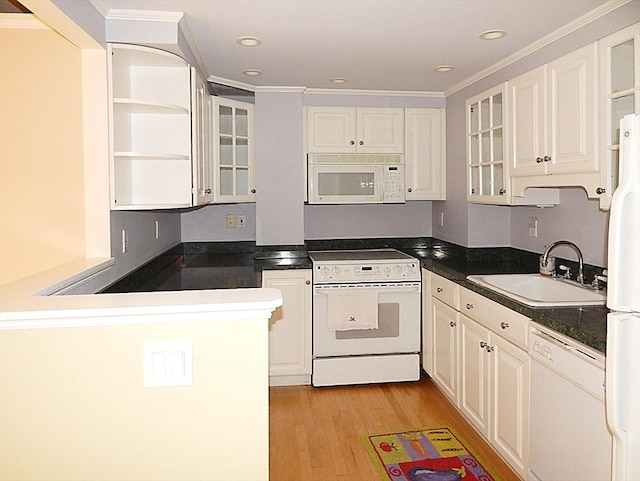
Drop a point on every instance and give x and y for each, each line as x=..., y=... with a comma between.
x=399, y=269
x=326, y=271
x=336, y=271
x=387, y=270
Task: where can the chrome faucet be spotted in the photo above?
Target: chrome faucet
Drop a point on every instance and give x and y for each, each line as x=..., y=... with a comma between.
x=553, y=245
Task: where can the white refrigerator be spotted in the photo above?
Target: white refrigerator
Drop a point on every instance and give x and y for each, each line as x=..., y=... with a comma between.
x=623, y=301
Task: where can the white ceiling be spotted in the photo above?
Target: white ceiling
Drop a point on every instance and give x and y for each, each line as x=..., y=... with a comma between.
x=375, y=44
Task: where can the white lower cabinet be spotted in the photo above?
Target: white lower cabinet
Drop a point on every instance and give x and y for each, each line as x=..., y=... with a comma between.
x=477, y=356
x=290, y=327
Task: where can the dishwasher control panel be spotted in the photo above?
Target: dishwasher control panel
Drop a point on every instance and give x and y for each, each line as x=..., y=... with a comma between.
x=574, y=361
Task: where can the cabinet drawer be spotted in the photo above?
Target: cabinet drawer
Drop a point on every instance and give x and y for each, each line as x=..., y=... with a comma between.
x=501, y=320
x=445, y=290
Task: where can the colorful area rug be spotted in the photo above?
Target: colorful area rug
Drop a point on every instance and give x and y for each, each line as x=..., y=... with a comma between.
x=436, y=454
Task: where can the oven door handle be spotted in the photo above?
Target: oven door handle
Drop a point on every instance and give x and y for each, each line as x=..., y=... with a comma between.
x=386, y=288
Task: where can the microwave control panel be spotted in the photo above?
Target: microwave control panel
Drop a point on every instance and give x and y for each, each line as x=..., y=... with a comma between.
x=394, y=183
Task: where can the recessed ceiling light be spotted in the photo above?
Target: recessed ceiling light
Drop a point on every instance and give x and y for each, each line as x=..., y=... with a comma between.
x=492, y=34
x=339, y=80
x=248, y=41
x=252, y=72
x=443, y=68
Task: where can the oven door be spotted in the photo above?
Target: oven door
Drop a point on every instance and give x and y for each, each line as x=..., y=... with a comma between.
x=398, y=322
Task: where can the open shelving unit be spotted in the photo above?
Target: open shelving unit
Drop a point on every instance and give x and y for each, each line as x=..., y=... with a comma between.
x=151, y=155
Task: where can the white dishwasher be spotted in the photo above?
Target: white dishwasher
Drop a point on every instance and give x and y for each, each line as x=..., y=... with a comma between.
x=569, y=439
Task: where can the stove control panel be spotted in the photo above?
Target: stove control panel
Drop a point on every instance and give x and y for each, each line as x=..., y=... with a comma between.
x=394, y=272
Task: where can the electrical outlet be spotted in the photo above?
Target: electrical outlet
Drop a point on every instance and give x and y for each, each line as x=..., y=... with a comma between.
x=533, y=226
x=231, y=221
x=125, y=240
x=242, y=221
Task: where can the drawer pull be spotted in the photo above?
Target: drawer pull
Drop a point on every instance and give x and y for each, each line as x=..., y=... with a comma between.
x=504, y=325
x=439, y=289
x=469, y=306
x=452, y=324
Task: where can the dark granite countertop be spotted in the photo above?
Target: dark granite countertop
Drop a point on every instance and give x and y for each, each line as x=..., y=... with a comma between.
x=231, y=265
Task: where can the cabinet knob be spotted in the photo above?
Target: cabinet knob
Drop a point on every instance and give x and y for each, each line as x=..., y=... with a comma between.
x=546, y=158
x=352, y=142
x=483, y=344
x=439, y=289
x=361, y=142
x=538, y=160
x=600, y=190
x=452, y=324
x=409, y=189
x=253, y=191
x=489, y=348
x=504, y=325
x=503, y=191
x=207, y=191
x=307, y=282
x=469, y=306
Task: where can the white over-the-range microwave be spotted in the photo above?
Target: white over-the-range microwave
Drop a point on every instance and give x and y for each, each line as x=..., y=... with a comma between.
x=355, y=178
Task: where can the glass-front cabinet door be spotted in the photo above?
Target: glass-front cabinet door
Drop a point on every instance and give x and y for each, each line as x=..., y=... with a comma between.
x=620, y=95
x=234, y=151
x=486, y=147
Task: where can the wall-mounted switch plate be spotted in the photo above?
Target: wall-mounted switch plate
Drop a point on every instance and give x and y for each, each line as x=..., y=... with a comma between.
x=533, y=226
x=242, y=221
x=441, y=219
x=125, y=240
x=168, y=363
x=230, y=221
x=157, y=229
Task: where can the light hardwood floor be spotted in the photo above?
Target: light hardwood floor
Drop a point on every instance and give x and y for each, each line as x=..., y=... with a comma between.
x=315, y=432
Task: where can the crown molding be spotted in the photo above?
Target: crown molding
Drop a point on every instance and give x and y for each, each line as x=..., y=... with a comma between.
x=571, y=27
x=232, y=83
x=144, y=15
x=21, y=21
x=193, y=46
x=375, y=93
x=283, y=89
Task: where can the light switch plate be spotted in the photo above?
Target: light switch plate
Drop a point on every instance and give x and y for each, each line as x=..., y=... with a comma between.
x=168, y=363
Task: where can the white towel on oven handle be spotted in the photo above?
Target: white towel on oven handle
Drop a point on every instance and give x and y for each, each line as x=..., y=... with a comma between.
x=352, y=308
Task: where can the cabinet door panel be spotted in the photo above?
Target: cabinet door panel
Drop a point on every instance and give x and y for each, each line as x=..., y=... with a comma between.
x=510, y=395
x=474, y=373
x=425, y=158
x=572, y=109
x=290, y=324
x=380, y=131
x=445, y=332
x=527, y=98
x=331, y=130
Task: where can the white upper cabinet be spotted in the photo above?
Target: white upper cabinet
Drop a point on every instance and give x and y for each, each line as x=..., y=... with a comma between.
x=233, y=151
x=355, y=130
x=201, y=141
x=553, y=116
x=619, y=82
x=150, y=128
x=488, y=155
x=425, y=154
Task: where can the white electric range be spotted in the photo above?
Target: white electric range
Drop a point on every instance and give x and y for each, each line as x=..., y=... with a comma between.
x=366, y=317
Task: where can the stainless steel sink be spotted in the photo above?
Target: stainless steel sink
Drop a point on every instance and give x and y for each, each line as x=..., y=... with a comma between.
x=536, y=290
